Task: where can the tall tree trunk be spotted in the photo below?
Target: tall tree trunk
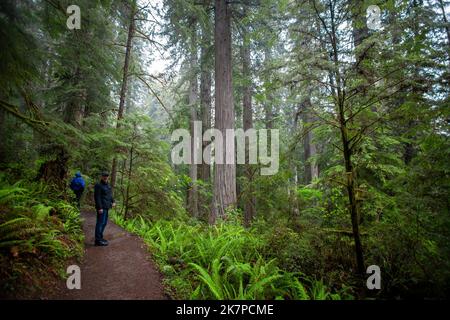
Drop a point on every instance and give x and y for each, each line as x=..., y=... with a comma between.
x=415, y=88
x=73, y=112
x=268, y=104
x=360, y=33
x=193, y=92
x=225, y=174
x=205, y=108
x=127, y=191
x=205, y=104
x=351, y=192
x=309, y=148
x=346, y=148
x=250, y=200
x=123, y=89
x=205, y=93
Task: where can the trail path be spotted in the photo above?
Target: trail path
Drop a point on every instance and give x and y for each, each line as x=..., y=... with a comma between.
x=121, y=270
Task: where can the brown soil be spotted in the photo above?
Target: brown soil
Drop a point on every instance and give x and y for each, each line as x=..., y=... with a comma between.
x=121, y=270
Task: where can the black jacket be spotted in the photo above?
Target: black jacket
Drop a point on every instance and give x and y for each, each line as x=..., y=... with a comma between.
x=103, y=196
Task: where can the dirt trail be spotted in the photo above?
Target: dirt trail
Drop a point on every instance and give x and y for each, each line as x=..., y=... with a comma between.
x=122, y=270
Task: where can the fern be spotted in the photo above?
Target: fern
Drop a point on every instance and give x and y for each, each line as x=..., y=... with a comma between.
x=27, y=233
x=213, y=282
x=220, y=262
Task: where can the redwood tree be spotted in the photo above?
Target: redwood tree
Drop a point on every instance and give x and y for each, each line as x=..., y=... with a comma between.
x=225, y=174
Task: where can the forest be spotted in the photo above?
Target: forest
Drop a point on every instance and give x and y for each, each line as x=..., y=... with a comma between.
x=336, y=181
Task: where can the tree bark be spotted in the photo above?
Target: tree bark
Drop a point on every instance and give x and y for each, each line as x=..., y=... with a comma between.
x=346, y=148
x=351, y=192
x=193, y=92
x=127, y=192
x=311, y=169
x=205, y=107
x=360, y=33
x=73, y=112
x=205, y=93
x=268, y=108
x=225, y=174
x=123, y=89
x=205, y=102
x=250, y=200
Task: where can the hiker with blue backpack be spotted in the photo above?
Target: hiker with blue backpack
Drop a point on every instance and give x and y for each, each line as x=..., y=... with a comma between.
x=77, y=185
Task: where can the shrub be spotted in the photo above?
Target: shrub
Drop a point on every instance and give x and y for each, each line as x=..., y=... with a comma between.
x=37, y=233
x=224, y=261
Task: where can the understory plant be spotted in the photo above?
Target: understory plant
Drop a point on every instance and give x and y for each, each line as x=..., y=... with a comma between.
x=38, y=233
x=223, y=261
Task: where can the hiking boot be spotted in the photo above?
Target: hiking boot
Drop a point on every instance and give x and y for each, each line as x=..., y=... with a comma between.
x=101, y=243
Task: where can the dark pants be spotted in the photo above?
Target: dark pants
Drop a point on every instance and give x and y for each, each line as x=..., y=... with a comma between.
x=102, y=220
x=78, y=194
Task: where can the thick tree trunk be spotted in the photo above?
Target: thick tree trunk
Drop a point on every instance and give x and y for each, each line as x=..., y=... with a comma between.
x=250, y=200
x=73, y=112
x=193, y=92
x=55, y=172
x=123, y=89
x=225, y=174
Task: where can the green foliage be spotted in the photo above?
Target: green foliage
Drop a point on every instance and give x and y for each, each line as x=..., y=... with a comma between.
x=385, y=91
x=34, y=227
x=146, y=180
x=219, y=262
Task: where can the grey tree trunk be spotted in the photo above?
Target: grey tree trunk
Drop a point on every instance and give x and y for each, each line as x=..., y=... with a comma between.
x=309, y=148
x=127, y=190
x=250, y=200
x=193, y=92
x=225, y=174
x=123, y=89
x=205, y=108
x=205, y=93
x=268, y=107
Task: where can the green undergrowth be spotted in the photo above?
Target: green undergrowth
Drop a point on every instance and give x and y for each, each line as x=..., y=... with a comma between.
x=39, y=232
x=221, y=262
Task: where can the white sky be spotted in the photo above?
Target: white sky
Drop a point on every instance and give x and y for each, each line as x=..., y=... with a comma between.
x=159, y=63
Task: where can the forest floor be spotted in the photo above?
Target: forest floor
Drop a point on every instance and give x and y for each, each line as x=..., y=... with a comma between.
x=121, y=270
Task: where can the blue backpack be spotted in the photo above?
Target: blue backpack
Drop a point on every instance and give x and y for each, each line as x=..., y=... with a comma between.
x=77, y=183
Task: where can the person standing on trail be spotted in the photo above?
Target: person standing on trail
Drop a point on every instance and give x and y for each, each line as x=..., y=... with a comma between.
x=103, y=202
x=77, y=185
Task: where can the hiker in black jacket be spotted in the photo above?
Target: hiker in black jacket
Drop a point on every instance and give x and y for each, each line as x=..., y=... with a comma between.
x=103, y=202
